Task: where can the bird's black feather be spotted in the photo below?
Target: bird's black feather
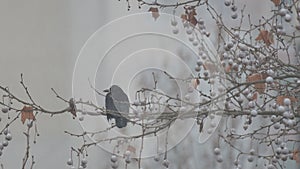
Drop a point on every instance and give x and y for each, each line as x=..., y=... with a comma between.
x=109, y=106
x=117, y=106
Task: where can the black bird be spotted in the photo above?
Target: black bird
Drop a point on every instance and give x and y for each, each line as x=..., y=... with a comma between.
x=117, y=105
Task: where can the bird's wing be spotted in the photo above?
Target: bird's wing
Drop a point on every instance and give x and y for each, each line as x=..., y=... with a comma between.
x=109, y=105
x=121, y=102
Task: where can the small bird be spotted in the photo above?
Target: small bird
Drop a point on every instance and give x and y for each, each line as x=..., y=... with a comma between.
x=117, y=105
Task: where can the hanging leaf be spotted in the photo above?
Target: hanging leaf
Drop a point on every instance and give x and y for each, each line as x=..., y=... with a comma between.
x=193, y=12
x=191, y=17
x=280, y=99
x=211, y=67
x=228, y=68
x=276, y=2
x=265, y=36
x=131, y=149
x=193, y=20
x=296, y=156
x=254, y=77
x=155, y=12
x=27, y=113
x=184, y=17
x=195, y=82
x=259, y=87
x=190, y=13
x=255, y=96
x=72, y=107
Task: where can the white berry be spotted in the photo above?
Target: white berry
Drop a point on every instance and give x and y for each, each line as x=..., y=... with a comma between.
x=270, y=72
x=254, y=113
x=114, y=165
x=127, y=153
x=234, y=15
x=81, y=118
x=114, y=158
x=191, y=38
x=70, y=162
x=250, y=159
x=269, y=79
x=4, y=109
x=287, y=17
x=201, y=21
x=195, y=43
x=6, y=131
x=8, y=137
x=209, y=130
x=276, y=126
x=251, y=104
x=286, y=114
x=166, y=163
x=185, y=24
x=127, y=160
x=227, y=2
x=287, y=101
x=219, y=159
x=246, y=91
x=270, y=166
x=156, y=158
x=217, y=151
x=234, y=8
x=282, y=12
x=281, y=109
x=5, y=143
x=197, y=68
x=29, y=123
x=84, y=161
x=175, y=30
x=189, y=31
x=173, y=22
x=290, y=123
x=182, y=109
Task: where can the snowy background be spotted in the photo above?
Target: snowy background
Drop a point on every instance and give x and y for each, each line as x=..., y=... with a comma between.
x=42, y=40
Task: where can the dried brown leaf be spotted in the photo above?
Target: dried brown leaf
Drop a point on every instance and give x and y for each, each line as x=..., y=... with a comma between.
x=280, y=99
x=228, y=68
x=131, y=149
x=254, y=77
x=193, y=20
x=255, y=96
x=27, y=113
x=276, y=2
x=72, y=106
x=155, y=12
x=184, y=17
x=211, y=67
x=195, y=82
x=259, y=87
x=296, y=156
x=193, y=12
x=265, y=36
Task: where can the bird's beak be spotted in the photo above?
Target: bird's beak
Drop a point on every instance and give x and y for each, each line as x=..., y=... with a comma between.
x=106, y=90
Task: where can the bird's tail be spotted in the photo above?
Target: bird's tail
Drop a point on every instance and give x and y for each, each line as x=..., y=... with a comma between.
x=121, y=122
